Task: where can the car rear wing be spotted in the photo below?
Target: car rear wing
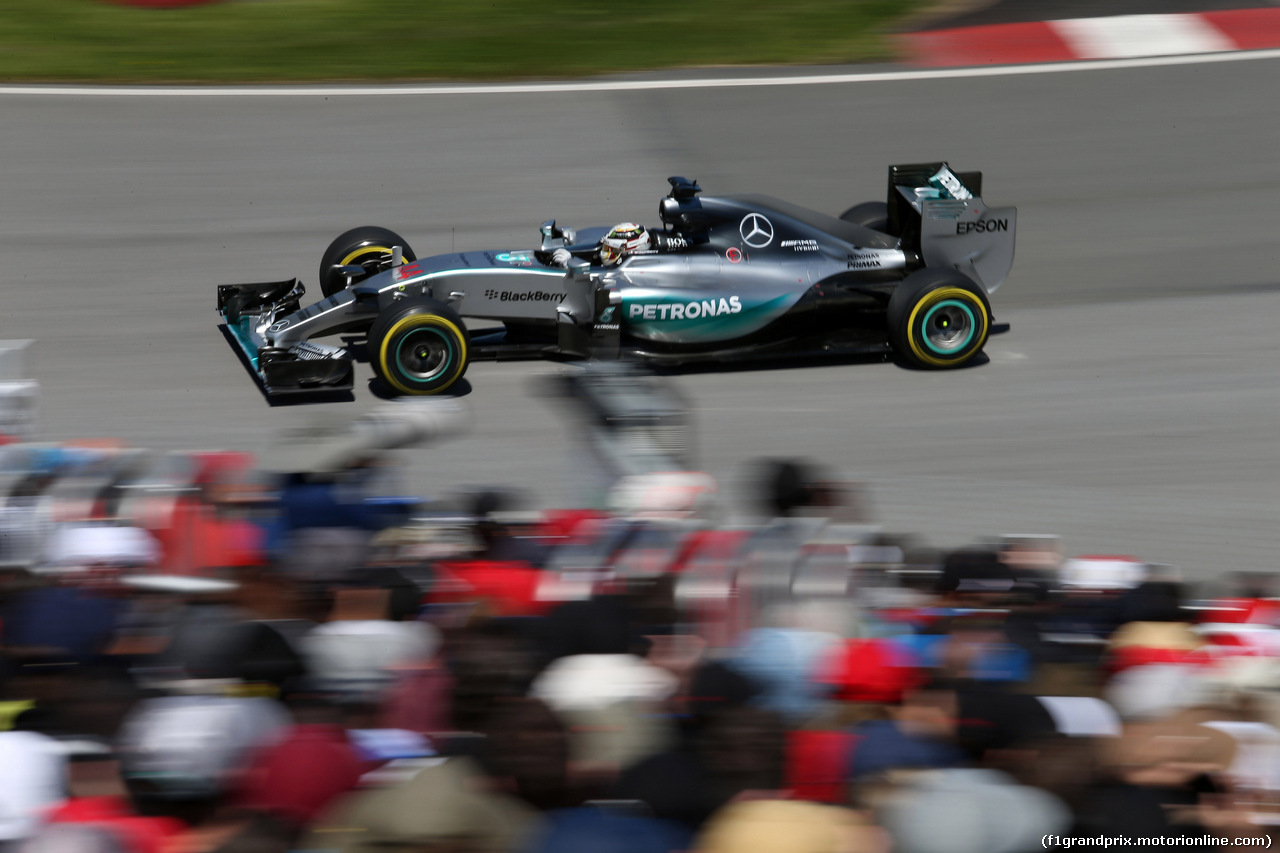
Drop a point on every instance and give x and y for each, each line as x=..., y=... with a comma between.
x=939, y=214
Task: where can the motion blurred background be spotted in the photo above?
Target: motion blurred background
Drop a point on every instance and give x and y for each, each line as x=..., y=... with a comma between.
x=498, y=623
x=176, y=41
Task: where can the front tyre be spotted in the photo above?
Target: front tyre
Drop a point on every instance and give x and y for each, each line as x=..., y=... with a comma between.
x=938, y=319
x=367, y=246
x=418, y=346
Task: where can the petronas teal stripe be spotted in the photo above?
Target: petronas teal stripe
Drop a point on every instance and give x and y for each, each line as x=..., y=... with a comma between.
x=242, y=333
x=703, y=330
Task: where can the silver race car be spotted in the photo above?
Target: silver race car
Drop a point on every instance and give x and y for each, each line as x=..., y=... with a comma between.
x=725, y=278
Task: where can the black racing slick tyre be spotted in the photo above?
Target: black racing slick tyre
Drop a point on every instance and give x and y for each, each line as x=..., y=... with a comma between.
x=869, y=214
x=418, y=346
x=368, y=246
x=938, y=319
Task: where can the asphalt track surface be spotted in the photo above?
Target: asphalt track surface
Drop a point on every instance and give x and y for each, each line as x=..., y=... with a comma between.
x=1131, y=407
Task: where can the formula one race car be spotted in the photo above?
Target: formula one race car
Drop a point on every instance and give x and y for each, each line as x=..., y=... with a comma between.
x=727, y=278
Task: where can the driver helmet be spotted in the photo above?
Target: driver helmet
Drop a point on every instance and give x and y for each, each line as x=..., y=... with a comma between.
x=622, y=240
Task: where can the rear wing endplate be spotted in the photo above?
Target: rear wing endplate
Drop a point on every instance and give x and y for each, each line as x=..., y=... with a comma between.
x=939, y=213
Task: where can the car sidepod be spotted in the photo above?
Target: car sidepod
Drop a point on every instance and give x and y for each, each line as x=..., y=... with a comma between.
x=692, y=299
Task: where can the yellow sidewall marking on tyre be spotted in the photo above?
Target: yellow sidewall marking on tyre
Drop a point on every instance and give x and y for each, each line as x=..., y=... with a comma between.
x=933, y=297
x=364, y=250
x=413, y=321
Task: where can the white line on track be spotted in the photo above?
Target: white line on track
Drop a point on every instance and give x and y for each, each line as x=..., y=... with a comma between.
x=302, y=90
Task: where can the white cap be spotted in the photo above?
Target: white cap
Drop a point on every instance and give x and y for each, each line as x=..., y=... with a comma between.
x=32, y=780
x=664, y=494
x=92, y=544
x=1100, y=573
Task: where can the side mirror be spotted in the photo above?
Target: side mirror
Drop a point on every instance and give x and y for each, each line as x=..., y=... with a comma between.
x=351, y=272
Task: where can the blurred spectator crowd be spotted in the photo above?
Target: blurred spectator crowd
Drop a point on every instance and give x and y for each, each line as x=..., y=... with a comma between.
x=198, y=655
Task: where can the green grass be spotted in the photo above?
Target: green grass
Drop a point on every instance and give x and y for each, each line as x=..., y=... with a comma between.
x=313, y=40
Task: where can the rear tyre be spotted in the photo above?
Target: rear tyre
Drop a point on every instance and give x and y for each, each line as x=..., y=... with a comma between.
x=418, y=346
x=367, y=246
x=869, y=214
x=938, y=319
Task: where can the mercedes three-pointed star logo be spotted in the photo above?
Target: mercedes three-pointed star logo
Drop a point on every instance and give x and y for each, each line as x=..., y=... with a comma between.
x=756, y=230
